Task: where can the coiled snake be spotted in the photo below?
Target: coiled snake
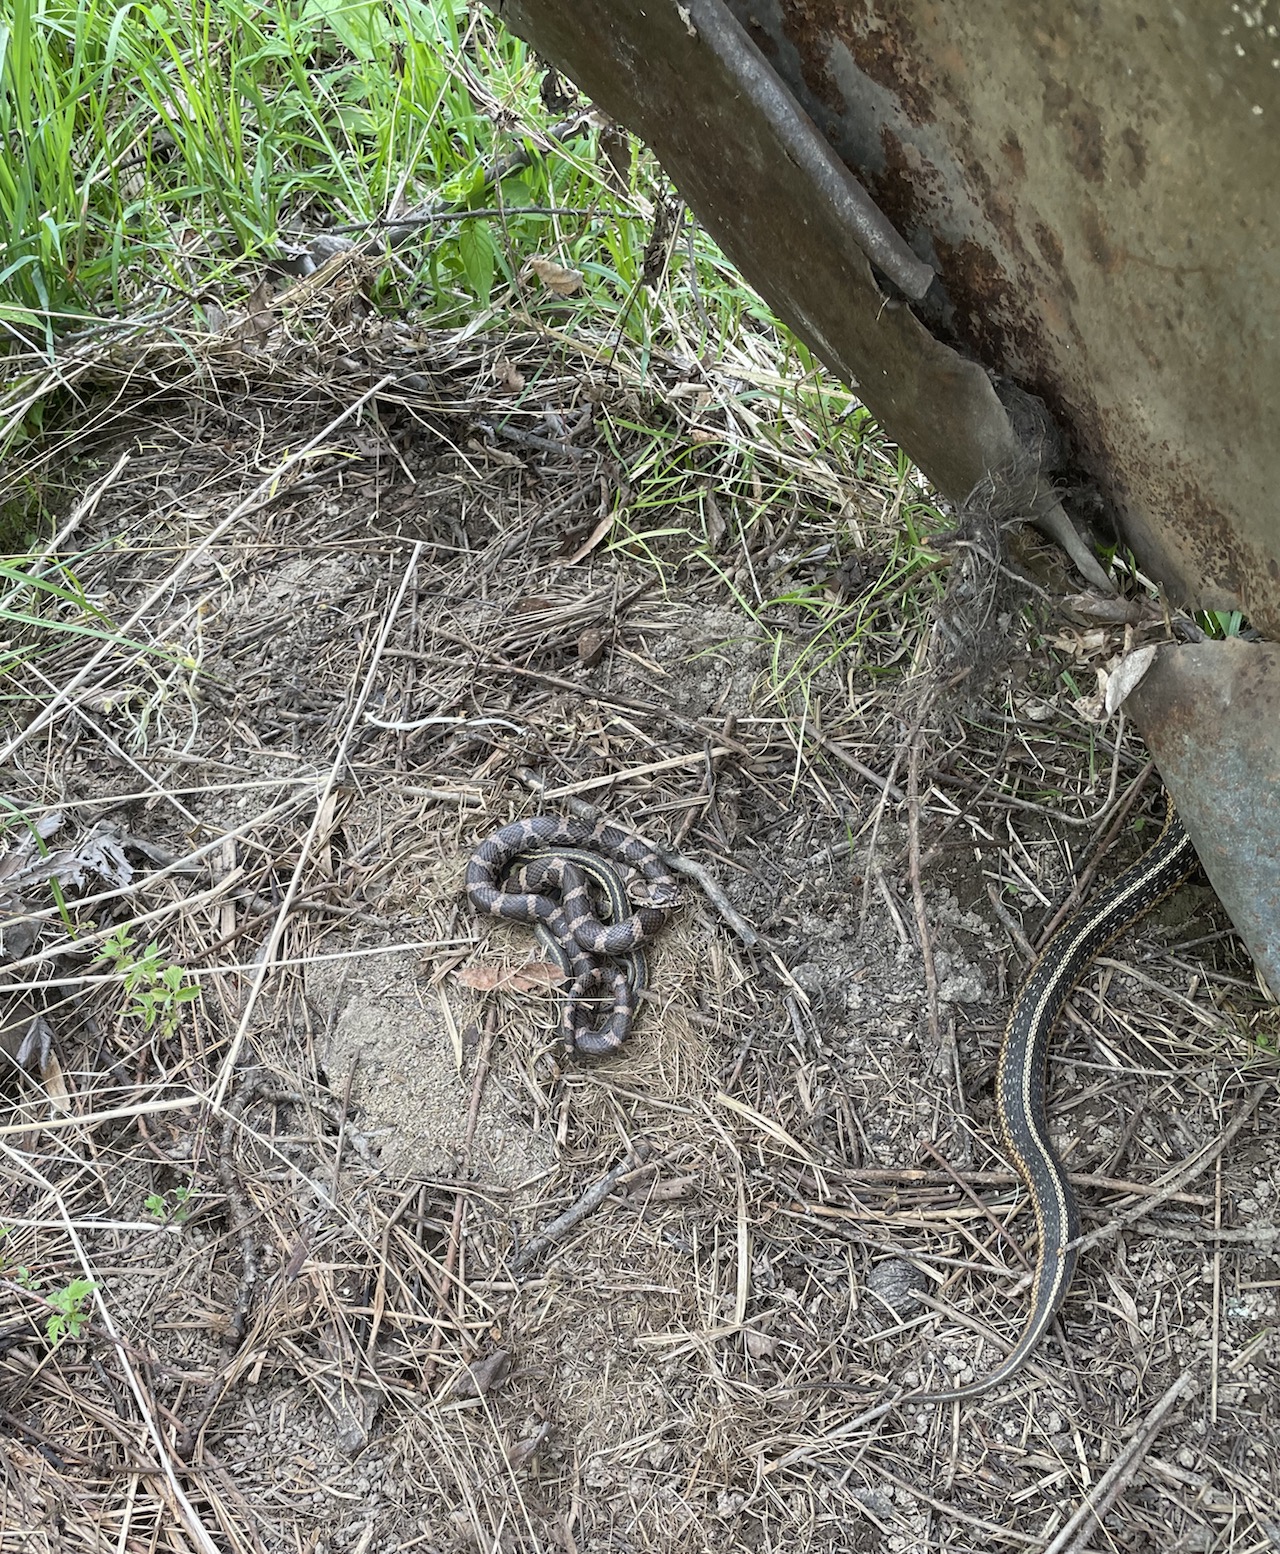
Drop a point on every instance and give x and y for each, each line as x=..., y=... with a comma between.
x=541, y=871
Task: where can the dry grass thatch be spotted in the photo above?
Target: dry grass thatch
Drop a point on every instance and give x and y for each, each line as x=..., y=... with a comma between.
x=372, y=1266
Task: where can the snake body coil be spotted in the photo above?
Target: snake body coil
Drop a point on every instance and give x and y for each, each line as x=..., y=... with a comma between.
x=1020, y=1081
x=513, y=874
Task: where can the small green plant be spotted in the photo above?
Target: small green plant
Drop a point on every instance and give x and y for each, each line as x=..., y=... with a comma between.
x=1221, y=624
x=70, y=1311
x=67, y=1305
x=157, y=1204
x=159, y=992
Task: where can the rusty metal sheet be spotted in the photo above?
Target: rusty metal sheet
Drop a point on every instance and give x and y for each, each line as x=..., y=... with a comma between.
x=1095, y=186
x=1210, y=714
x=687, y=79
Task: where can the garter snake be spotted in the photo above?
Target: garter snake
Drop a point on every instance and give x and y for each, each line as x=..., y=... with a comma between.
x=1020, y=1081
x=567, y=870
x=513, y=873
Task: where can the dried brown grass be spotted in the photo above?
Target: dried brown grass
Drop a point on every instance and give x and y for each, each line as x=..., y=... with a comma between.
x=364, y=618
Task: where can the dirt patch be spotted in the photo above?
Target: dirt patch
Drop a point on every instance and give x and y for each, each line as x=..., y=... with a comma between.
x=346, y=1336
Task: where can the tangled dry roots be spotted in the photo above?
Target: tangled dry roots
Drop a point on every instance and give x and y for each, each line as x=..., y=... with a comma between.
x=975, y=632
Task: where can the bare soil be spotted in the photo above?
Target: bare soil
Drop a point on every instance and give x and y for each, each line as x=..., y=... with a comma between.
x=347, y=1338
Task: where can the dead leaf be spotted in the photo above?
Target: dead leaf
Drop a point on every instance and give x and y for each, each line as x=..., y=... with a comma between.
x=1130, y=670
x=555, y=277
x=535, y=976
x=17, y=933
x=658, y=249
x=590, y=647
x=55, y=1084
x=99, y=851
x=107, y=701
x=507, y=375
x=323, y=831
x=593, y=539
x=714, y=519
x=1109, y=608
x=1081, y=644
x=261, y=315
x=25, y=1038
x=670, y=1191
x=15, y=860
x=759, y=1346
x=523, y=1450
x=498, y=456
x=616, y=145
x=1093, y=709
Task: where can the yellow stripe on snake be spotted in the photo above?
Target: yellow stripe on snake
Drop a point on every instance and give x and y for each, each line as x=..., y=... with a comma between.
x=1020, y=1082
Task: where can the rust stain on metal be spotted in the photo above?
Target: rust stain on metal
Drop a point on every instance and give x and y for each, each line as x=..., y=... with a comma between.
x=907, y=186
x=1017, y=149
x=886, y=48
x=1081, y=128
x=1014, y=157
x=1134, y=170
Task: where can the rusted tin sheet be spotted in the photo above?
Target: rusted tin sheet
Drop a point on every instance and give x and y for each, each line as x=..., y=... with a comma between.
x=1094, y=185
x=1210, y=714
